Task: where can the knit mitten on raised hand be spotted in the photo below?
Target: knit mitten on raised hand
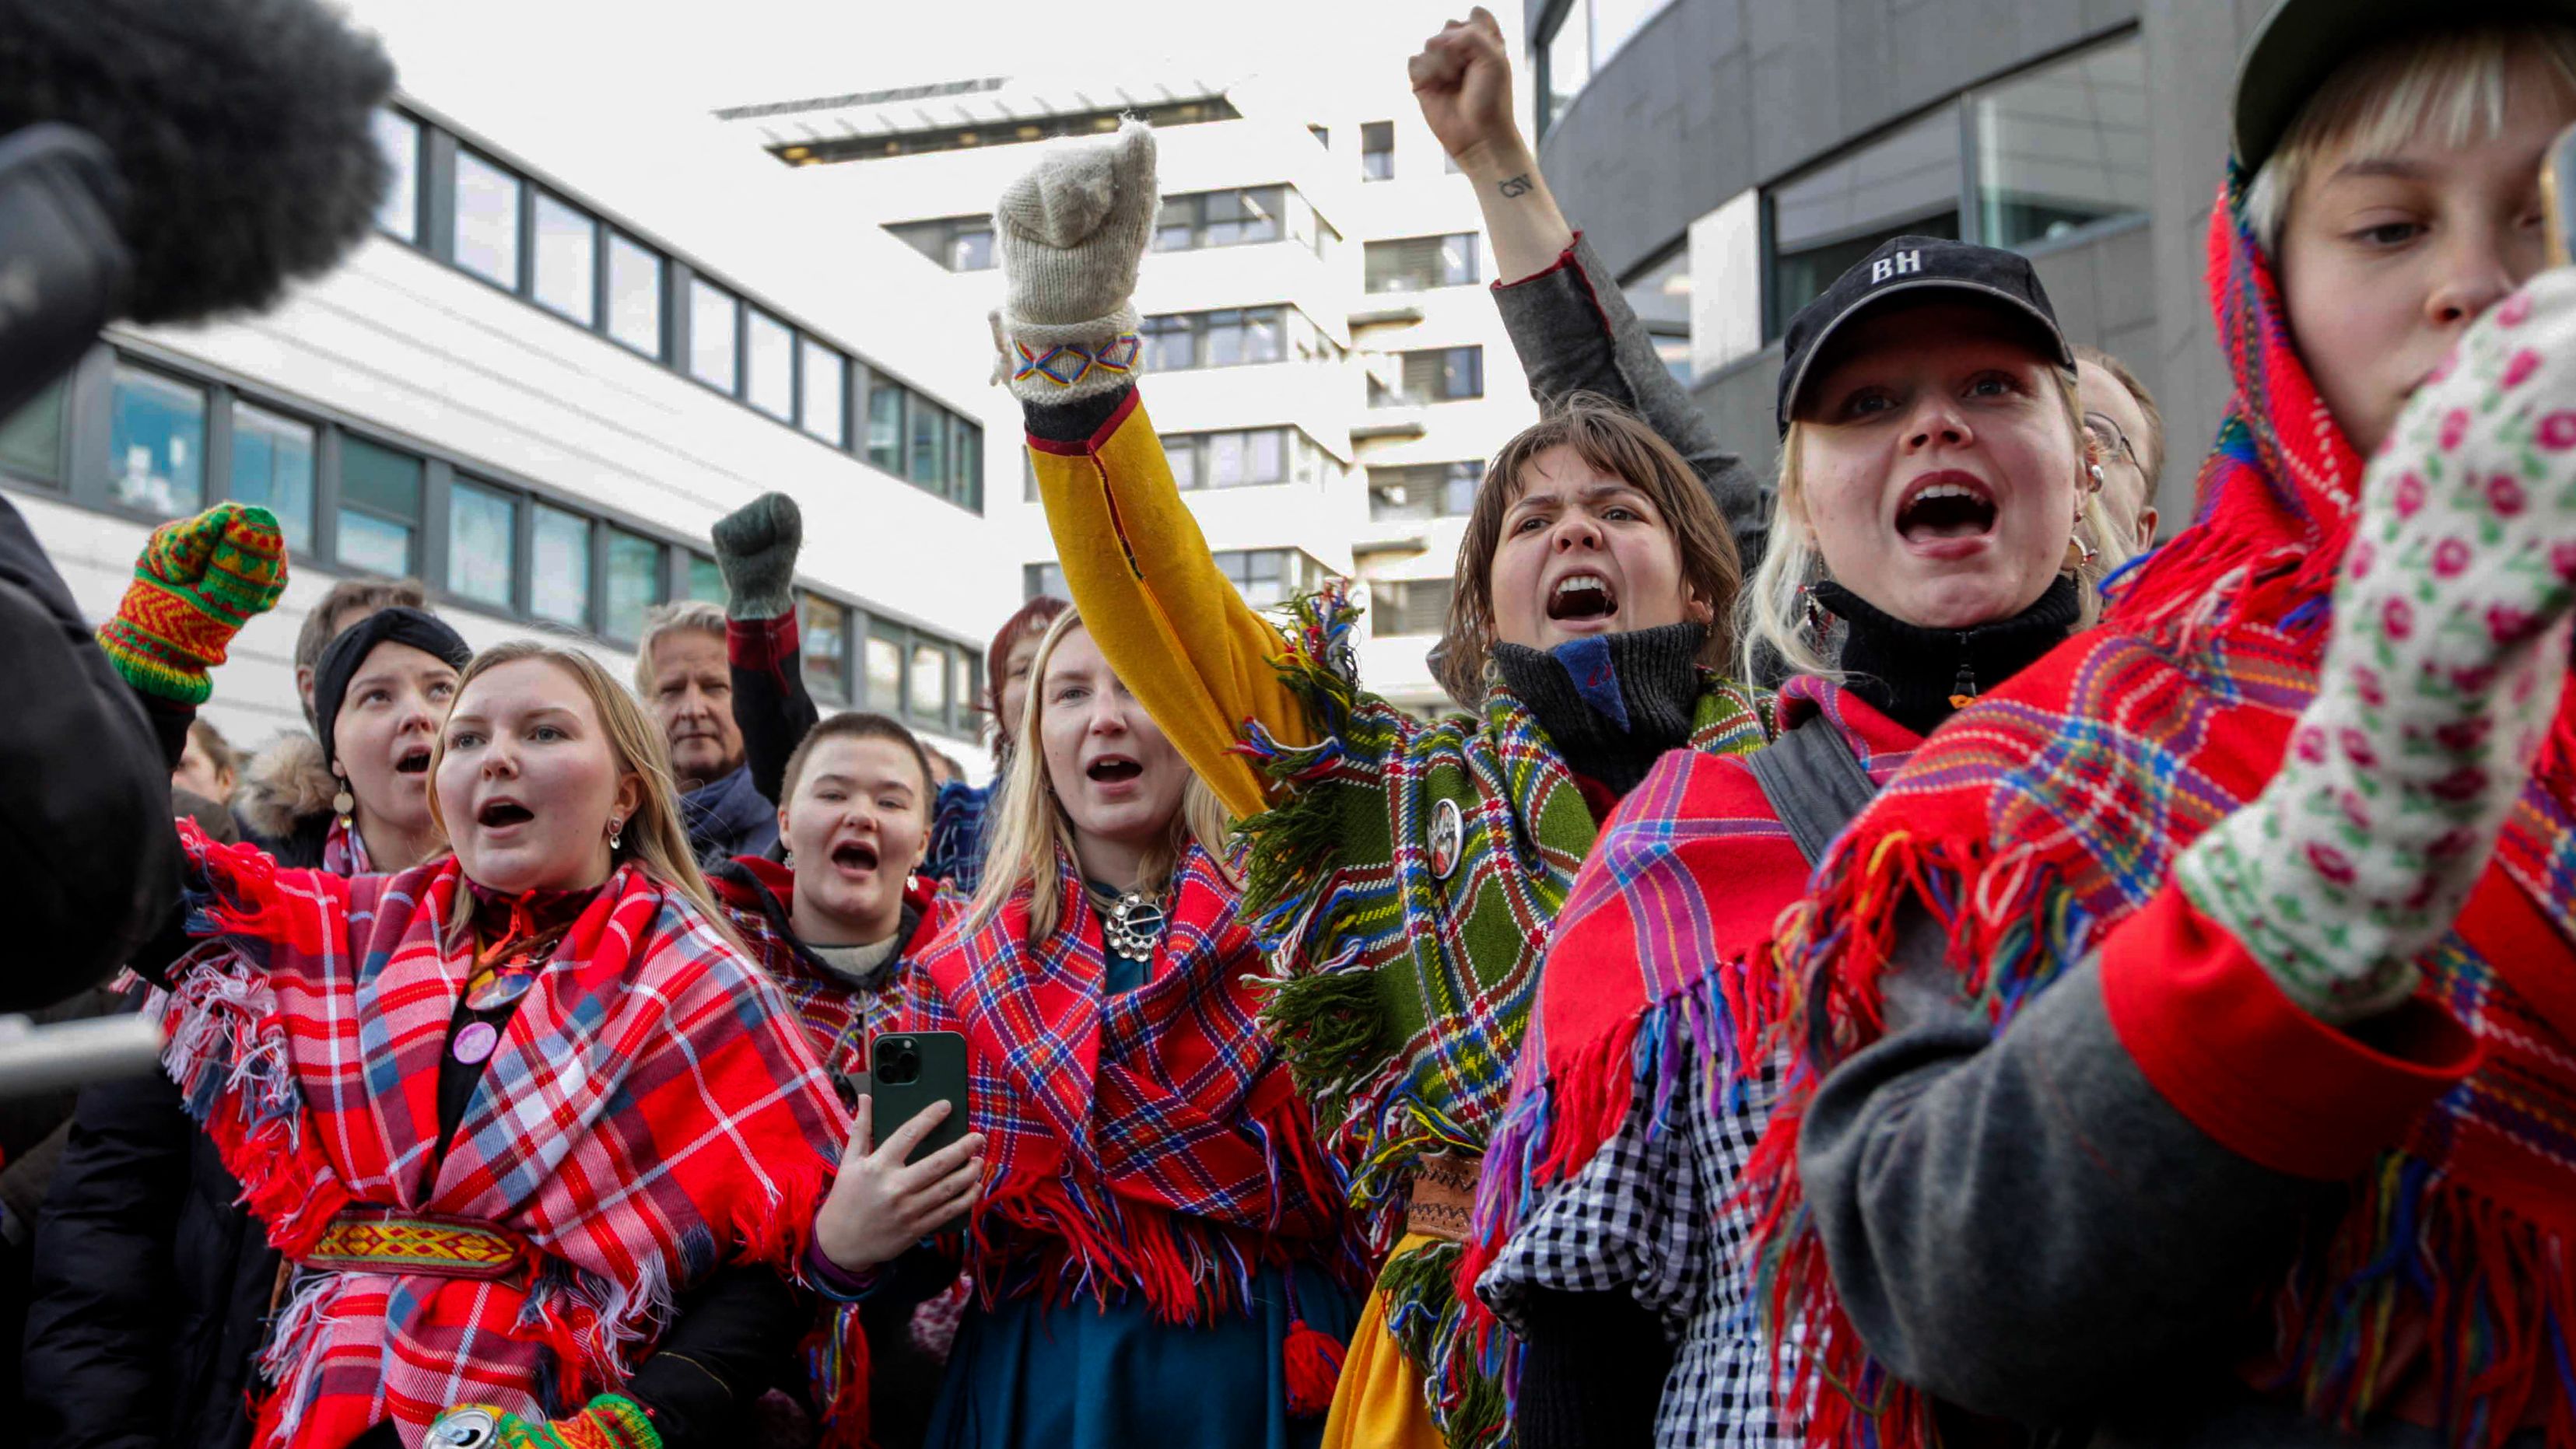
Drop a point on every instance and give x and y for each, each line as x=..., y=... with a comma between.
x=1072, y=232
x=196, y=583
x=609, y=1422
x=2439, y=682
x=756, y=547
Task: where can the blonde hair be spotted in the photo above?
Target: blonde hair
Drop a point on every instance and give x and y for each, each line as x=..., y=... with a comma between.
x=680, y=616
x=2448, y=82
x=653, y=836
x=1615, y=441
x=1774, y=609
x=1032, y=834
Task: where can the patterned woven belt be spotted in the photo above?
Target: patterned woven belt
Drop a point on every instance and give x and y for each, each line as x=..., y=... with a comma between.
x=1444, y=1197
x=374, y=1240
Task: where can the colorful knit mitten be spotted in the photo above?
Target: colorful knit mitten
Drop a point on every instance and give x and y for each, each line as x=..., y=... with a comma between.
x=756, y=547
x=2438, y=684
x=610, y=1422
x=1072, y=235
x=197, y=582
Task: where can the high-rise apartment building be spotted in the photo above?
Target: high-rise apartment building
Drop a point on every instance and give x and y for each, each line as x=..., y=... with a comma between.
x=1322, y=360
x=536, y=389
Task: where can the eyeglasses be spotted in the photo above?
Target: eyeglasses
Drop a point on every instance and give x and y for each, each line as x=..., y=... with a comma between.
x=2109, y=440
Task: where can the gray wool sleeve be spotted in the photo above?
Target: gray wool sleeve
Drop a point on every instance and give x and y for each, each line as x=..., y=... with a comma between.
x=1575, y=332
x=2021, y=1224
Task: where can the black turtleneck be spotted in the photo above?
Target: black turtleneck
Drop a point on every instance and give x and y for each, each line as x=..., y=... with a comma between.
x=1611, y=703
x=1911, y=674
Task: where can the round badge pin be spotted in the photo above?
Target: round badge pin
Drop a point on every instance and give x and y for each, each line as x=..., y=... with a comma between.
x=1448, y=838
x=473, y=1045
x=499, y=991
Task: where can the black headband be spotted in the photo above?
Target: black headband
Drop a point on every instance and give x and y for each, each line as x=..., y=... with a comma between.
x=340, y=659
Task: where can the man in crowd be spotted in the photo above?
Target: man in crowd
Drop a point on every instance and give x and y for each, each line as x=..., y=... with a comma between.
x=682, y=672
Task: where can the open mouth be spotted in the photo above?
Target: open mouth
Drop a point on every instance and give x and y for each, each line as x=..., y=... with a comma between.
x=413, y=762
x=1946, y=505
x=851, y=855
x=501, y=814
x=1582, y=596
x=1113, y=769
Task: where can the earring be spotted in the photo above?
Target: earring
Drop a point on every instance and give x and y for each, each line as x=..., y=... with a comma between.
x=2078, y=552
x=616, y=833
x=342, y=802
x=2096, y=470
x=787, y=858
x=1818, y=621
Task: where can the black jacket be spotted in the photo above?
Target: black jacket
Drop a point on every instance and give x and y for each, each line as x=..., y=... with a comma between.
x=85, y=837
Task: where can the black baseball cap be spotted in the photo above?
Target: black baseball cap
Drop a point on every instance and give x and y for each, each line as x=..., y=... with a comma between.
x=2300, y=44
x=1913, y=269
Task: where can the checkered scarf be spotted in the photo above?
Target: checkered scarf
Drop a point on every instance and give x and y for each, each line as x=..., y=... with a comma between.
x=1148, y=1142
x=652, y=1113
x=2029, y=828
x=1655, y=954
x=1401, y=988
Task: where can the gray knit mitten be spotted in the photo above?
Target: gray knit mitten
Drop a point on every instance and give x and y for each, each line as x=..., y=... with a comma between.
x=2449, y=648
x=1072, y=232
x=756, y=548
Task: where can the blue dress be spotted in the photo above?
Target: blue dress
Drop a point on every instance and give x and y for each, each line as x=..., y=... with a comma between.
x=1025, y=1375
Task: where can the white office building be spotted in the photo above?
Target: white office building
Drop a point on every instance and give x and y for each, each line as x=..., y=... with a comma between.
x=536, y=388
x=1322, y=360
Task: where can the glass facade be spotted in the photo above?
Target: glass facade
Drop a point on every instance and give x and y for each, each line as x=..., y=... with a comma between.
x=714, y=317
x=635, y=287
x=273, y=467
x=1839, y=212
x=31, y=440
x=379, y=508
x=157, y=443
x=1377, y=151
x=482, y=543
x=1431, y=375
x=1243, y=459
x=559, y=579
x=1238, y=217
x=567, y=259
x=634, y=583
x=1235, y=337
x=885, y=427
x=487, y=219
x=2063, y=146
x=885, y=669
x=1268, y=576
x=1578, y=39
x=769, y=361
x=826, y=386
x=398, y=136
x=1418, y=264
x=1660, y=294
x=823, y=633
x=1424, y=490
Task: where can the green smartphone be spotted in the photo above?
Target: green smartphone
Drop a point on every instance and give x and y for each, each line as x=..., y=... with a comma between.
x=907, y=1071
x=2558, y=194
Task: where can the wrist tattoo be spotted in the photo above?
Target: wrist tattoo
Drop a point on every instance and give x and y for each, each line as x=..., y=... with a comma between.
x=1515, y=185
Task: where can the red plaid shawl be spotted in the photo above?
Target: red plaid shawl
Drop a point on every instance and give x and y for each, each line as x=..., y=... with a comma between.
x=1646, y=972
x=2051, y=811
x=838, y=1020
x=1149, y=1142
x=652, y=1112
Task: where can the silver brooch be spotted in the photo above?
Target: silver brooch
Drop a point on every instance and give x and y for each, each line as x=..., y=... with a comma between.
x=1448, y=838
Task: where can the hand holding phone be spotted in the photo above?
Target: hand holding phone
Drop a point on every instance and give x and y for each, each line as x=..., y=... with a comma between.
x=923, y=1178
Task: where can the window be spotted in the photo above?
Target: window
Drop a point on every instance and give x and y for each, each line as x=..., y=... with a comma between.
x=1660, y=293
x=1439, y=374
x=379, y=507
x=1171, y=344
x=1424, y=490
x=157, y=443
x=31, y=440
x=635, y=294
x=1045, y=579
x=885, y=426
x=706, y=579
x=1221, y=218
x=826, y=385
x=482, y=543
x=1228, y=460
x=823, y=633
x=1267, y=576
x=929, y=445
x=1377, y=151
x=966, y=462
x=487, y=220
x=1231, y=338
x=1579, y=40
x=1409, y=606
x=1835, y=215
x=929, y=681
x=634, y=582
x=2063, y=146
x=1417, y=264
x=959, y=243
x=567, y=259
x=559, y=568
x=398, y=136
x=273, y=467
x=1323, y=136
x=885, y=668
x=713, y=319
x=769, y=357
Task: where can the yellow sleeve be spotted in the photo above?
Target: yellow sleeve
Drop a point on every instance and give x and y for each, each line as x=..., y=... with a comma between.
x=1180, y=637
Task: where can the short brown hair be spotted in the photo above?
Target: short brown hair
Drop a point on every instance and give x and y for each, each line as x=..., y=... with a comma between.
x=680, y=616
x=856, y=724
x=322, y=623
x=2153, y=462
x=217, y=749
x=1614, y=440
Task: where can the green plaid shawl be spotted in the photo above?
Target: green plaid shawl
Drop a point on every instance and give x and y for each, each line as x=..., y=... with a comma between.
x=1400, y=992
